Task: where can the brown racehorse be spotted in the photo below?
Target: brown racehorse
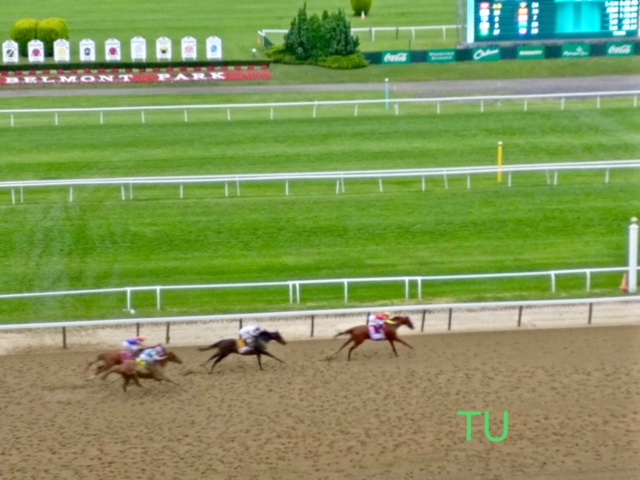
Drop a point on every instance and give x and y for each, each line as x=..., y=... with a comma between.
x=109, y=359
x=117, y=357
x=129, y=372
x=361, y=333
x=228, y=346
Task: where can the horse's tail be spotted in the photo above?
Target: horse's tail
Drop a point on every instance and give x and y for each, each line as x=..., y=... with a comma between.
x=344, y=332
x=91, y=362
x=109, y=372
x=215, y=345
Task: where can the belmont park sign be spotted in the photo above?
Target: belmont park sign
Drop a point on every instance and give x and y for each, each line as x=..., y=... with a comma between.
x=132, y=76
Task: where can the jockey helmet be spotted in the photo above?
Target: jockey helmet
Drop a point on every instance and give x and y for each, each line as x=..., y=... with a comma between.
x=160, y=349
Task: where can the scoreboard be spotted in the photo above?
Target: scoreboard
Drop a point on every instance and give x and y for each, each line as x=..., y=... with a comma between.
x=544, y=20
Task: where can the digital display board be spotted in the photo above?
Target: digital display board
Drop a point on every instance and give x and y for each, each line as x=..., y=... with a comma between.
x=515, y=20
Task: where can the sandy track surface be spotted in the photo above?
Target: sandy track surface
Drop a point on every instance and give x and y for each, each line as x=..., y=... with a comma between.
x=573, y=396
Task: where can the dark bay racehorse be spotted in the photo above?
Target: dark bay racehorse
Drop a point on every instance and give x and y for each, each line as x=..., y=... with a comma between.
x=129, y=372
x=361, y=333
x=230, y=345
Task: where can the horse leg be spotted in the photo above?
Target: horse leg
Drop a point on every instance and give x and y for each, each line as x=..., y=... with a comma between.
x=109, y=372
x=125, y=382
x=258, y=355
x=393, y=347
x=271, y=355
x=356, y=344
x=159, y=376
x=215, y=355
x=218, y=360
x=403, y=342
x=343, y=345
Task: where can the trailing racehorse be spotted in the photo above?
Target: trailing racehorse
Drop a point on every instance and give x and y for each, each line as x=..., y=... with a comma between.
x=117, y=357
x=129, y=371
x=362, y=332
x=230, y=345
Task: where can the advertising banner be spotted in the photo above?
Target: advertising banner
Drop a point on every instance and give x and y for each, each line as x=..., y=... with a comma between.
x=396, y=57
x=531, y=52
x=619, y=49
x=441, y=56
x=487, y=54
x=576, y=50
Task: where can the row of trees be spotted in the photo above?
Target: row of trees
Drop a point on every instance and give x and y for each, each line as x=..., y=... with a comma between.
x=47, y=31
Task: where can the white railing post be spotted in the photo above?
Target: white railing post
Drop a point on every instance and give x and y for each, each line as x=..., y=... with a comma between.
x=128, y=299
x=553, y=282
x=406, y=289
x=158, y=299
x=588, y=275
x=633, y=256
x=346, y=291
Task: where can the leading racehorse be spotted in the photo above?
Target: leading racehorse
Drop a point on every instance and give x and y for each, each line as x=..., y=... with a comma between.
x=361, y=333
x=230, y=345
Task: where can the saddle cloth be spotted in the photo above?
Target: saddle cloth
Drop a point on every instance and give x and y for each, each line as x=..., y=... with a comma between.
x=126, y=356
x=374, y=334
x=242, y=346
x=141, y=365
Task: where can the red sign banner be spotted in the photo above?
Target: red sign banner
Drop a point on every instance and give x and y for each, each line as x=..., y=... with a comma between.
x=120, y=77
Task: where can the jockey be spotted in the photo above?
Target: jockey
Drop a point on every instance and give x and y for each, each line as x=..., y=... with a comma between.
x=378, y=320
x=250, y=334
x=133, y=345
x=151, y=356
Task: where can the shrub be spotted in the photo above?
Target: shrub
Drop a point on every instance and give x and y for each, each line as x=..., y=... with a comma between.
x=50, y=30
x=349, y=62
x=22, y=32
x=310, y=39
x=360, y=6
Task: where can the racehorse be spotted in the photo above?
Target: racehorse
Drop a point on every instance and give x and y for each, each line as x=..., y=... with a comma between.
x=361, y=333
x=111, y=358
x=129, y=372
x=230, y=345
x=117, y=357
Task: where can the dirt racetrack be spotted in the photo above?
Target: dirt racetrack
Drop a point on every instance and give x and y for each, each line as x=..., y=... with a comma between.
x=573, y=396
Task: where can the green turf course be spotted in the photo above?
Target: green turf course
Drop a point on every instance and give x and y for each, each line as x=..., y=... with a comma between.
x=157, y=239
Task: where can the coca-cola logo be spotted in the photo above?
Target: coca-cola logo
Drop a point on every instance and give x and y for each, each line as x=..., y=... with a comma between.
x=400, y=57
x=619, y=49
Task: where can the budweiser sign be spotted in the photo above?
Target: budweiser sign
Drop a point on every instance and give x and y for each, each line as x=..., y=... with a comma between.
x=102, y=78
